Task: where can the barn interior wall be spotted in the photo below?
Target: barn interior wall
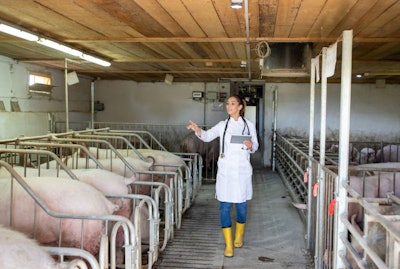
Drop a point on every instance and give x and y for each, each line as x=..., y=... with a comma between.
x=374, y=112
x=158, y=103
x=14, y=79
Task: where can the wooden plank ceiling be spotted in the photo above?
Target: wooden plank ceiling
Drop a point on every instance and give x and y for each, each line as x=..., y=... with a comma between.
x=201, y=40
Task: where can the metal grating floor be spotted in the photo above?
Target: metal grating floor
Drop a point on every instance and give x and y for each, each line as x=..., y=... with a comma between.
x=197, y=243
x=274, y=236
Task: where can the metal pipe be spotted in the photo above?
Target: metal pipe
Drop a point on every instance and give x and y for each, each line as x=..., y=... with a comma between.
x=246, y=17
x=92, y=104
x=321, y=176
x=87, y=256
x=310, y=149
x=275, y=106
x=205, y=105
x=344, y=137
x=66, y=95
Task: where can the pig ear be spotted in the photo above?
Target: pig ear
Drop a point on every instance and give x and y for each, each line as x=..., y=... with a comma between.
x=129, y=180
x=64, y=159
x=30, y=164
x=116, y=207
x=82, y=153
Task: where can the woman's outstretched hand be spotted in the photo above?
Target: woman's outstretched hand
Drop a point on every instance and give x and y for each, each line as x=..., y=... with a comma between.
x=193, y=126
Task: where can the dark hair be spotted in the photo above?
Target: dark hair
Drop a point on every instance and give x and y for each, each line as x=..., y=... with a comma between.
x=242, y=102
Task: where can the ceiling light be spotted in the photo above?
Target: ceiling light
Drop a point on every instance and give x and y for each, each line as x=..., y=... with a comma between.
x=51, y=44
x=59, y=47
x=95, y=60
x=236, y=4
x=18, y=33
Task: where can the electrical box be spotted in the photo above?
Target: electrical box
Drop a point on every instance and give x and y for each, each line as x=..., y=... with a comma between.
x=197, y=95
x=222, y=96
x=98, y=106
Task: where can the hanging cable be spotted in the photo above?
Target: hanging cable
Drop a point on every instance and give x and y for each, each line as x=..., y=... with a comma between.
x=263, y=50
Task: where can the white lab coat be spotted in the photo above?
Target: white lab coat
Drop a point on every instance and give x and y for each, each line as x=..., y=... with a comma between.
x=234, y=174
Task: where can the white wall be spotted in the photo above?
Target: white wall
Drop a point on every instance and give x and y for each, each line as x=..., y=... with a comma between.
x=14, y=78
x=375, y=111
x=157, y=103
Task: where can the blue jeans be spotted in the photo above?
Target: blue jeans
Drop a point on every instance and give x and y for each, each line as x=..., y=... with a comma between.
x=225, y=213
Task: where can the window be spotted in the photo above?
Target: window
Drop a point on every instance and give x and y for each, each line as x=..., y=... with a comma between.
x=39, y=78
x=40, y=84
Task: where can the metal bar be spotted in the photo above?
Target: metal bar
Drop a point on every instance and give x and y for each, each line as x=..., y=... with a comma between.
x=246, y=17
x=66, y=95
x=344, y=137
x=73, y=252
x=275, y=110
x=321, y=203
x=310, y=149
x=92, y=104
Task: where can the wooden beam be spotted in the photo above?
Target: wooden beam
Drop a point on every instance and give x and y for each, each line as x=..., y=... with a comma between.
x=219, y=71
x=234, y=39
x=158, y=60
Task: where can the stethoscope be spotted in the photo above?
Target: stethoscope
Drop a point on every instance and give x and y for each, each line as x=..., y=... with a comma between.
x=226, y=127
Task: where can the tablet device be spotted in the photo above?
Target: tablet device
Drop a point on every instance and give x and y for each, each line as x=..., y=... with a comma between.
x=238, y=139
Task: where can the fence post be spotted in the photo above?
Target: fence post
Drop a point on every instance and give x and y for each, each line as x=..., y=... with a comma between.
x=345, y=103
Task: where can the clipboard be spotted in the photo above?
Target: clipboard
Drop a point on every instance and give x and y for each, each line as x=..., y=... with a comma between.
x=238, y=139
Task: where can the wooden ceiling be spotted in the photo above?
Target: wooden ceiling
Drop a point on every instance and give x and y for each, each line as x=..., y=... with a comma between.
x=201, y=40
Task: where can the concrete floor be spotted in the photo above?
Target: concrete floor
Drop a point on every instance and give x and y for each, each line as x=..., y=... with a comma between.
x=274, y=236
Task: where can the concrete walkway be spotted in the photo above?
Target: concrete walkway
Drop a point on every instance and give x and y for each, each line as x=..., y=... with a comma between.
x=274, y=236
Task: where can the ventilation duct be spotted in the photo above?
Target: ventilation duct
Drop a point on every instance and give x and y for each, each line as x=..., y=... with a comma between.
x=287, y=60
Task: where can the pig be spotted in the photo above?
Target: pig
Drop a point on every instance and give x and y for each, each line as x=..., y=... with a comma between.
x=365, y=155
x=17, y=251
x=208, y=151
x=163, y=157
x=106, y=182
x=62, y=196
x=103, y=180
x=157, y=156
x=389, y=153
x=372, y=186
x=115, y=165
x=354, y=243
x=354, y=154
x=162, y=160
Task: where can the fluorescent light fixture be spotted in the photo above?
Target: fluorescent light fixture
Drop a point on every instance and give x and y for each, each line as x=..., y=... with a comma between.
x=236, y=4
x=94, y=60
x=18, y=33
x=59, y=47
x=73, y=52
x=51, y=44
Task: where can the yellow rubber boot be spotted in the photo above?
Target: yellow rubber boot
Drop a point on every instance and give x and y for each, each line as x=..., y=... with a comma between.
x=228, y=242
x=239, y=234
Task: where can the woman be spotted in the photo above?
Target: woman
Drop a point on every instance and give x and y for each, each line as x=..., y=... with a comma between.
x=234, y=176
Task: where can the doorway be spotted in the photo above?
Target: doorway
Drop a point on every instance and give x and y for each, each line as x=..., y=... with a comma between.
x=253, y=93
